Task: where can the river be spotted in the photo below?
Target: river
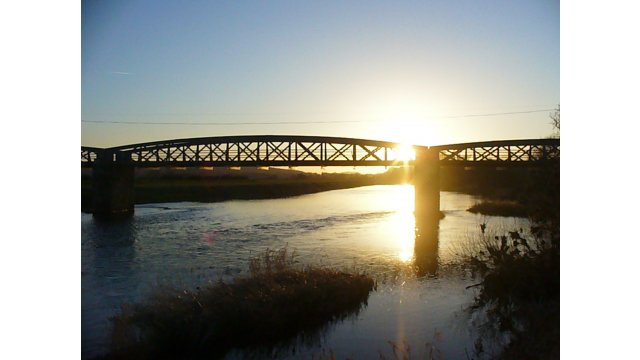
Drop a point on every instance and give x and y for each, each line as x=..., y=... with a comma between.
x=363, y=229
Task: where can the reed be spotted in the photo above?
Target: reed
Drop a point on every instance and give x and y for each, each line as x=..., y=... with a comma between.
x=275, y=305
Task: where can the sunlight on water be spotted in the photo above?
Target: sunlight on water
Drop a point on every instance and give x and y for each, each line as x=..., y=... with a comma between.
x=399, y=227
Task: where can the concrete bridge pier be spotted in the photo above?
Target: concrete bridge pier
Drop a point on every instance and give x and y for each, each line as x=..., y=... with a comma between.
x=113, y=179
x=426, y=179
x=426, y=246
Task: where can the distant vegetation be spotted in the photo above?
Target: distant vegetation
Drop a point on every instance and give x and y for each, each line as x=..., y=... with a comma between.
x=275, y=305
x=509, y=183
x=504, y=191
x=193, y=184
x=174, y=185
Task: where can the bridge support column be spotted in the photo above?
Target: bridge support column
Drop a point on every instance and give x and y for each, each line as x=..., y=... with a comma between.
x=426, y=179
x=426, y=246
x=113, y=194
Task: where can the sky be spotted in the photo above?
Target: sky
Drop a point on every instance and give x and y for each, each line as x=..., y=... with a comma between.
x=420, y=72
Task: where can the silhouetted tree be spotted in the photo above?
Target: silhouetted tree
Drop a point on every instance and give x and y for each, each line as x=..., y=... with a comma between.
x=555, y=121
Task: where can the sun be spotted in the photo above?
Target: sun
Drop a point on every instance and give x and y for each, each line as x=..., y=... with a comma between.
x=407, y=128
x=404, y=153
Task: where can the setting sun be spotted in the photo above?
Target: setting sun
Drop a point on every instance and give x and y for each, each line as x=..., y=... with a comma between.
x=405, y=153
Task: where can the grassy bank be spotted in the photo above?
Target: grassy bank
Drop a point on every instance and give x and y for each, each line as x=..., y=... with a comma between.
x=167, y=191
x=171, y=185
x=176, y=189
x=499, y=208
x=182, y=190
x=273, y=306
x=495, y=183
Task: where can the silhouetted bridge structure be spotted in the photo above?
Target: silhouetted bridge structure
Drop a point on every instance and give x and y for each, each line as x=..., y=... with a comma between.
x=113, y=168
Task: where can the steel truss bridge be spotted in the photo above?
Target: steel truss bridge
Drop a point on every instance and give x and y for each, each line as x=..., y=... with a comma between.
x=279, y=150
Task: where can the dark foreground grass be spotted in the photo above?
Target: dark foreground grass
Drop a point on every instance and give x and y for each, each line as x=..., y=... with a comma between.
x=520, y=277
x=273, y=306
x=499, y=208
x=520, y=295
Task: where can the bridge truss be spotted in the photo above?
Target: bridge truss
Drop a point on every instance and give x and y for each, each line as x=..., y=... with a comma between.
x=275, y=150
x=269, y=150
x=506, y=152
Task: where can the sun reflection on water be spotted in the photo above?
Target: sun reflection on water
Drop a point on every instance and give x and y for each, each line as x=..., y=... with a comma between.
x=404, y=225
x=400, y=227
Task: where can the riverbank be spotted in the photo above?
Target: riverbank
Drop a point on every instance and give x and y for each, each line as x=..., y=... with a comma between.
x=246, y=184
x=510, y=192
x=197, y=185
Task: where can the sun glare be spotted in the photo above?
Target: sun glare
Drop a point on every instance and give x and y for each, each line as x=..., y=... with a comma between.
x=405, y=153
x=411, y=128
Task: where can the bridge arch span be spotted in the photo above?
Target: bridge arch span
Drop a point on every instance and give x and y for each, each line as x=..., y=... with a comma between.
x=254, y=150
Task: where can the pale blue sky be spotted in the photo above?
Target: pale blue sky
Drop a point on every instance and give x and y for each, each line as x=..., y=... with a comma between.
x=388, y=70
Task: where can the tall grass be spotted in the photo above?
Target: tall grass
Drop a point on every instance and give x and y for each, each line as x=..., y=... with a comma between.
x=519, y=288
x=517, y=299
x=275, y=305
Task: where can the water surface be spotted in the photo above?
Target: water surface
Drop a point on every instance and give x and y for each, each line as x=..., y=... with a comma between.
x=369, y=229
